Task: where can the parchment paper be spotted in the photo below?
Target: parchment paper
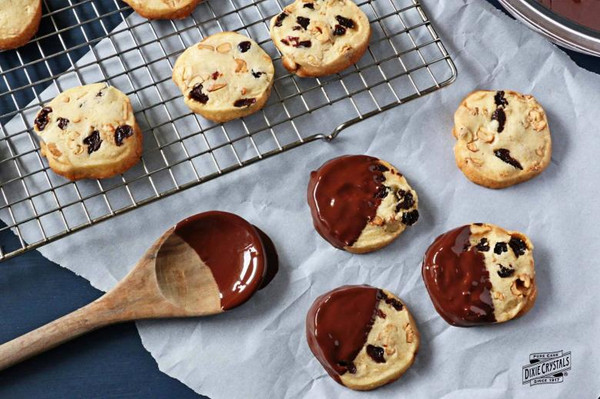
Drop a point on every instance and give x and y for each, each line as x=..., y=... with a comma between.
x=259, y=350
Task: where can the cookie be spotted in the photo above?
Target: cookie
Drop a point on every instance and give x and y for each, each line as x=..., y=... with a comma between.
x=163, y=9
x=320, y=37
x=363, y=336
x=480, y=274
x=226, y=76
x=502, y=137
x=360, y=203
x=89, y=132
x=19, y=22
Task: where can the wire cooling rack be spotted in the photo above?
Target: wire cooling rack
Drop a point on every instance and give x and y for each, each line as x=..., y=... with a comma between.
x=82, y=42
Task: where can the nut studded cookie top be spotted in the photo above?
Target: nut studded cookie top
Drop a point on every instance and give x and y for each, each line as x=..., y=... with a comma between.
x=89, y=132
x=502, y=138
x=225, y=76
x=320, y=37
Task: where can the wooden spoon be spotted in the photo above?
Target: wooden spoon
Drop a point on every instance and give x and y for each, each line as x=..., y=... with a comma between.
x=205, y=265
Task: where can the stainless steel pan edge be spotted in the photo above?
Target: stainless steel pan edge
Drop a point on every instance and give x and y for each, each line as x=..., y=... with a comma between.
x=563, y=33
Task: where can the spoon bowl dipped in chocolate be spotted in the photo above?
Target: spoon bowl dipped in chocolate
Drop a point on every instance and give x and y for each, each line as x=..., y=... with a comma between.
x=205, y=265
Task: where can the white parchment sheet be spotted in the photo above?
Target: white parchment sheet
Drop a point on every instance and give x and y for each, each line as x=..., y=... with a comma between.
x=259, y=350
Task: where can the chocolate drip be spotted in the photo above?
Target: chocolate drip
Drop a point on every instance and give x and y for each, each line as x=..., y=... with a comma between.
x=337, y=326
x=272, y=258
x=343, y=196
x=457, y=280
x=239, y=259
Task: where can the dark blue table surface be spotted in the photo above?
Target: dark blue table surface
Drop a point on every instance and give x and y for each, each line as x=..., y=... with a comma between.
x=110, y=363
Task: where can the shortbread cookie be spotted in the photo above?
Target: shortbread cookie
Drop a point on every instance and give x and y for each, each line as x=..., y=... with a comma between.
x=360, y=203
x=224, y=77
x=320, y=37
x=480, y=274
x=502, y=138
x=89, y=132
x=19, y=22
x=363, y=336
x=163, y=9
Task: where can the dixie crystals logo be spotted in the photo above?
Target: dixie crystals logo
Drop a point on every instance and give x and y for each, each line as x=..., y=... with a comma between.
x=546, y=368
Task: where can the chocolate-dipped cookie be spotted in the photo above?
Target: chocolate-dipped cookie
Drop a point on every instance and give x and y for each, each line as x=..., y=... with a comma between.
x=363, y=336
x=480, y=274
x=360, y=203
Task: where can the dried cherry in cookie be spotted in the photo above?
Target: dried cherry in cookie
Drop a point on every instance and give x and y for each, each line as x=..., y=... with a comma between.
x=504, y=155
x=196, y=93
x=345, y=22
x=244, y=102
x=339, y=30
x=483, y=245
x=279, y=19
x=364, y=337
x=320, y=38
x=500, y=248
x=41, y=121
x=518, y=246
x=406, y=200
x=502, y=138
x=499, y=99
x=376, y=353
x=93, y=142
x=505, y=271
x=360, y=203
x=224, y=77
x=470, y=287
x=500, y=116
x=63, y=123
x=244, y=46
x=82, y=133
x=122, y=133
x=303, y=22
x=410, y=218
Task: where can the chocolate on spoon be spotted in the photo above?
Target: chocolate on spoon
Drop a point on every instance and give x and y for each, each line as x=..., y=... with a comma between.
x=206, y=264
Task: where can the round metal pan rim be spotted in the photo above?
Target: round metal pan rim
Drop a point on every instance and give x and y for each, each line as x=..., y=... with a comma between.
x=560, y=30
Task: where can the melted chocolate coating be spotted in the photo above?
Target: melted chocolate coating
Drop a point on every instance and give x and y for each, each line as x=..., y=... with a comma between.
x=457, y=280
x=272, y=258
x=337, y=326
x=241, y=258
x=343, y=197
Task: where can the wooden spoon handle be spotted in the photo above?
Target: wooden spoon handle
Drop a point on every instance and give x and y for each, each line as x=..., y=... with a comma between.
x=74, y=324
